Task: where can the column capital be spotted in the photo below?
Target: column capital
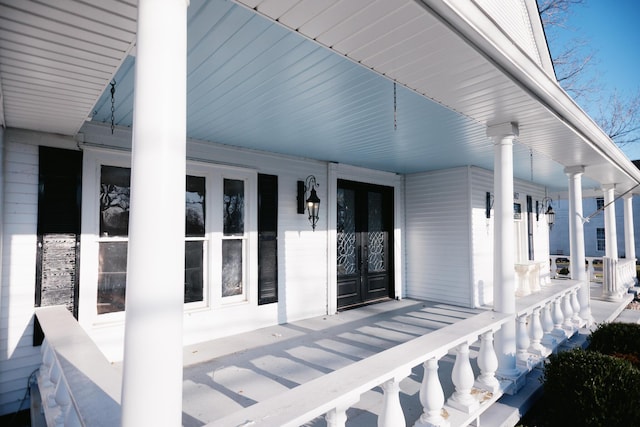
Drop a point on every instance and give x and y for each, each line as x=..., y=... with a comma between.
x=628, y=195
x=606, y=187
x=574, y=170
x=503, y=130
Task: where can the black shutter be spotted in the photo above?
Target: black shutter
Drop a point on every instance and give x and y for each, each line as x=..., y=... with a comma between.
x=57, y=263
x=267, y=239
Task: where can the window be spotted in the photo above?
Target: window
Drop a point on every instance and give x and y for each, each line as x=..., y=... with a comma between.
x=233, y=238
x=599, y=203
x=114, y=237
x=600, y=241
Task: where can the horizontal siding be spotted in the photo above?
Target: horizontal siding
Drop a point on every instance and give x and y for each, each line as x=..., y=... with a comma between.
x=18, y=358
x=437, y=236
x=482, y=230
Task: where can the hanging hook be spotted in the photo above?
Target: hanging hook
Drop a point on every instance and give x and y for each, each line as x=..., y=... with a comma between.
x=113, y=108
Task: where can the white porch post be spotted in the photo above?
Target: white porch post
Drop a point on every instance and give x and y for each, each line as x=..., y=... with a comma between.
x=611, y=239
x=152, y=376
x=576, y=239
x=504, y=299
x=629, y=235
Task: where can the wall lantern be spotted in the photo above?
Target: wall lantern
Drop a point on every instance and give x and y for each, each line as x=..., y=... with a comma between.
x=312, y=201
x=550, y=214
x=488, y=205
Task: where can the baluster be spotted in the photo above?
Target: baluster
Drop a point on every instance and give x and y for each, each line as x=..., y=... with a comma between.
x=536, y=333
x=547, y=326
x=568, y=313
x=45, y=369
x=522, y=342
x=54, y=377
x=575, y=306
x=558, y=318
x=431, y=398
x=63, y=400
x=391, y=414
x=488, y=364
x=337, y=417
x=462, y=377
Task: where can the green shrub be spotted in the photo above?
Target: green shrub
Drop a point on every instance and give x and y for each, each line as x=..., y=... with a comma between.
x=617, y=339
x=586, y=388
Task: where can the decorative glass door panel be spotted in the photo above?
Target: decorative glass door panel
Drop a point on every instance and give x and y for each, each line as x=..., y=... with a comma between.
x=364, y=224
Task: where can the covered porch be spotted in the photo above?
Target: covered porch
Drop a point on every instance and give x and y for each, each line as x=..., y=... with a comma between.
x=403, y=362
x=460, y=121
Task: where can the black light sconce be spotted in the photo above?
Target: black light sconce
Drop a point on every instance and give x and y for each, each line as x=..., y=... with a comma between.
x=549, y=213
x=488, y=205
x=312, y=202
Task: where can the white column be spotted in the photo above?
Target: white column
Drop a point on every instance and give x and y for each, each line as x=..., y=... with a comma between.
x=504, y=300
x=629, y=235
x=611, y=239
x=576, y=240
x=152, y=376
x=2, y=172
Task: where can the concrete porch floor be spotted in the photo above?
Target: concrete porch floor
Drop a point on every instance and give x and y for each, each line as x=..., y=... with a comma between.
x=225, y=375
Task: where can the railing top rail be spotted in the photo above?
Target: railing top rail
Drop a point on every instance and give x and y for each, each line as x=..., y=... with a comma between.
x=94, y=384
x=525, y=305
x=317, y=397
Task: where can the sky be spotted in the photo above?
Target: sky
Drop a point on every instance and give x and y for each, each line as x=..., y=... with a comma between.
x=612, y=29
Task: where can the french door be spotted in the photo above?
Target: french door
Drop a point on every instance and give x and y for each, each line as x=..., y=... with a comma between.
x=364, y=233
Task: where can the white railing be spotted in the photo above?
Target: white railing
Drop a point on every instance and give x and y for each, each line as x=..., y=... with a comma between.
x=626, y=272
x=78, y=385
x=543, y=321
x=560, y=267
x=80, y=388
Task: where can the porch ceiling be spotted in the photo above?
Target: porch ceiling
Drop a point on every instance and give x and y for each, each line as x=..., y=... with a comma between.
x=255, y=83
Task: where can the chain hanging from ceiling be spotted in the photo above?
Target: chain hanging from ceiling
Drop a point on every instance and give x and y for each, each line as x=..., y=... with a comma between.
x=113, y=105
x=395, y=108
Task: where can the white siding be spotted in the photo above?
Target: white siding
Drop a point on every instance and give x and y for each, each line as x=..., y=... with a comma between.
x=482, y=231
x=18, y=358
x=437, y=236
x=512, y=16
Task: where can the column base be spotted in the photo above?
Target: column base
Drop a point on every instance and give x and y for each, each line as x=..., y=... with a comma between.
x=441, y=422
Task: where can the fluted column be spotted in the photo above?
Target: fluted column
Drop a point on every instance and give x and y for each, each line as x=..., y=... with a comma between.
x=152, y=365
x=504, y=300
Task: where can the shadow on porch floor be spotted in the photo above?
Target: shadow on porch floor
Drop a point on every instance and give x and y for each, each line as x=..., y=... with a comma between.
x=225, y=375
x=228, y=374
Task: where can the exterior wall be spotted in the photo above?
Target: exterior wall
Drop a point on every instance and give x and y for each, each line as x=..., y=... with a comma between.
x=450, y=240
x=437, y=236
x=18, y=357
x=559, y=236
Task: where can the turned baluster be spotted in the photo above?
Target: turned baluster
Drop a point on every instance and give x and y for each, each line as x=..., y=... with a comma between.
x=391, y=414
x=337, y=417
x=558, y=318
x=522, y=341
x=547, y=326
x=567, y=311
x=431, y=397
x=536, y=333
x=462, y=378
x=575, y=306
x=488, y=364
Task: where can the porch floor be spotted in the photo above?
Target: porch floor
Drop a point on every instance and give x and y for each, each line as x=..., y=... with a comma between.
x=225, y=375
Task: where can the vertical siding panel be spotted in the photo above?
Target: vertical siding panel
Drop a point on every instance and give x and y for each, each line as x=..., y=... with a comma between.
x=437, y=236
x=18, y=358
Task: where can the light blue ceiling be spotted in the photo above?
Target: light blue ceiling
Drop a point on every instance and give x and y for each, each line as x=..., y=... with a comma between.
x=254, y=84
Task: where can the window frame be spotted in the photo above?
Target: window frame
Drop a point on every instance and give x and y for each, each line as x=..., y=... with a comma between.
x=601, y=242
x=214, y=175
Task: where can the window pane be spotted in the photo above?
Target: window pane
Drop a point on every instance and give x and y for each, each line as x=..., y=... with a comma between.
x=376, y=234
x=114, y=201
x=112, y=276
x=346, y=236
x=193, y=270
x=231, y=267
x=195, y=206
x=233, y=205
